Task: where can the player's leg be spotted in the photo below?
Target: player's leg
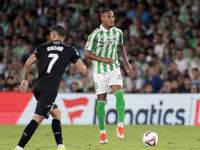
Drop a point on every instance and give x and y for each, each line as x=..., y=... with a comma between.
x=29, y=130
x=101, y=90
x=120, y=106
x=120, y=102
x=44, y=107
x=116, y=84
x=100, y=111
x=56, y=127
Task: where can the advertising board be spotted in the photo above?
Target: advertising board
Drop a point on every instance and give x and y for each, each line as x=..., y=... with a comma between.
x=157, y=109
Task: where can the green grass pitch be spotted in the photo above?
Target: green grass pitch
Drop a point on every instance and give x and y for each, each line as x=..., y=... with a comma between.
x=86, y=137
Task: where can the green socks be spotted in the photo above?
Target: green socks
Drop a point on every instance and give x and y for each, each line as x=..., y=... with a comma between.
x=120, y=105
x=100, y=111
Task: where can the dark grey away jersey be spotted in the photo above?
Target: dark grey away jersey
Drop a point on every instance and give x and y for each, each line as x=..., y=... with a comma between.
x=53, y=59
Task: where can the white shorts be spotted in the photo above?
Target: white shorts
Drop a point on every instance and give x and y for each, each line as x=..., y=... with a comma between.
x=103, y=81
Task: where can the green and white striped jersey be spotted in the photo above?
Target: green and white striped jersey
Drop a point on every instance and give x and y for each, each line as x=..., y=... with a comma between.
x=104, y=43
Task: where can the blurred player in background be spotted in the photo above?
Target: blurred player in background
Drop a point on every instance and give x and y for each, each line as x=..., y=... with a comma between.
x=101, y=47
x=53, y=59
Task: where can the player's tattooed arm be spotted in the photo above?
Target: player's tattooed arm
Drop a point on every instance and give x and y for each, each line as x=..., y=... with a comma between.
x=122, y=53
x=90, y=55
x=80, y=66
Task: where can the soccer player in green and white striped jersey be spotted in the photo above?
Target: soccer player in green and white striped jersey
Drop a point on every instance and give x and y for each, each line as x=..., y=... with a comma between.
x=102, y=46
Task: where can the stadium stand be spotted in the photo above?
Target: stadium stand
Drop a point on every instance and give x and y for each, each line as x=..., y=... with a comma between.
x=159, y=34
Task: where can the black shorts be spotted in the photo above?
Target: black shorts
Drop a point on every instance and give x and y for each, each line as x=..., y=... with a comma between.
x=45, y=102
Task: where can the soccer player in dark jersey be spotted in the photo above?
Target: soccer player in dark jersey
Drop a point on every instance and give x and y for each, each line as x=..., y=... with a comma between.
x=53, y=59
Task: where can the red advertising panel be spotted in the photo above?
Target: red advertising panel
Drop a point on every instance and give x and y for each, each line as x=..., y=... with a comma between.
x=196, y=120
x=12, y=104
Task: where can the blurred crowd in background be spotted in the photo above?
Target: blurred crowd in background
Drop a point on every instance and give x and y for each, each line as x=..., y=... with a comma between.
x=161, y=38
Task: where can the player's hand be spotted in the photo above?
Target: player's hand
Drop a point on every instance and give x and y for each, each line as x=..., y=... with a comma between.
x=128, y=68
x=108, y=61
x=24, y=86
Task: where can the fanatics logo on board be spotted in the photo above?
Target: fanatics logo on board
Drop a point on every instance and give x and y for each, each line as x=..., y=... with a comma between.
x=74, y=103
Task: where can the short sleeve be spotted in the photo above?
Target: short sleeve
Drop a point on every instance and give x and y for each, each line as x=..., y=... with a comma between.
x=120, y=40
x=90, y=42
x=75, y=56
x=37, y=52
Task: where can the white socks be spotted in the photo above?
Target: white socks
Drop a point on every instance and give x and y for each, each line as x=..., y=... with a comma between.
x=120, y=124
x=61, y=146
x=102, y=131
x=18, y=148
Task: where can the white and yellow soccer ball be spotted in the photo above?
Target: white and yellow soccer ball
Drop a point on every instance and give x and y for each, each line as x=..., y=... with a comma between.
x=150, y=138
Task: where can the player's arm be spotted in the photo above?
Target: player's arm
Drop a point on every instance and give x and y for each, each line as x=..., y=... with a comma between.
x=80, y=66
x=90, y=55
x=122, y=53
x=27, y=68
x=75, y=59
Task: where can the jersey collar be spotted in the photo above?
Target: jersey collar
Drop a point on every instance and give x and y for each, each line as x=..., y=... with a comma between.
x=57, y=41
x=104, y=29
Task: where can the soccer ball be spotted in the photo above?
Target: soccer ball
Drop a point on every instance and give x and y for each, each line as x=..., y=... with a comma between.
x=150, y=138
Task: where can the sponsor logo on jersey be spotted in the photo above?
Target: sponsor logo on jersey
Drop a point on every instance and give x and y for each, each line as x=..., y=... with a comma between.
x=106, y=42
x=87, y=43
x=70, y=103
x=55, y=48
